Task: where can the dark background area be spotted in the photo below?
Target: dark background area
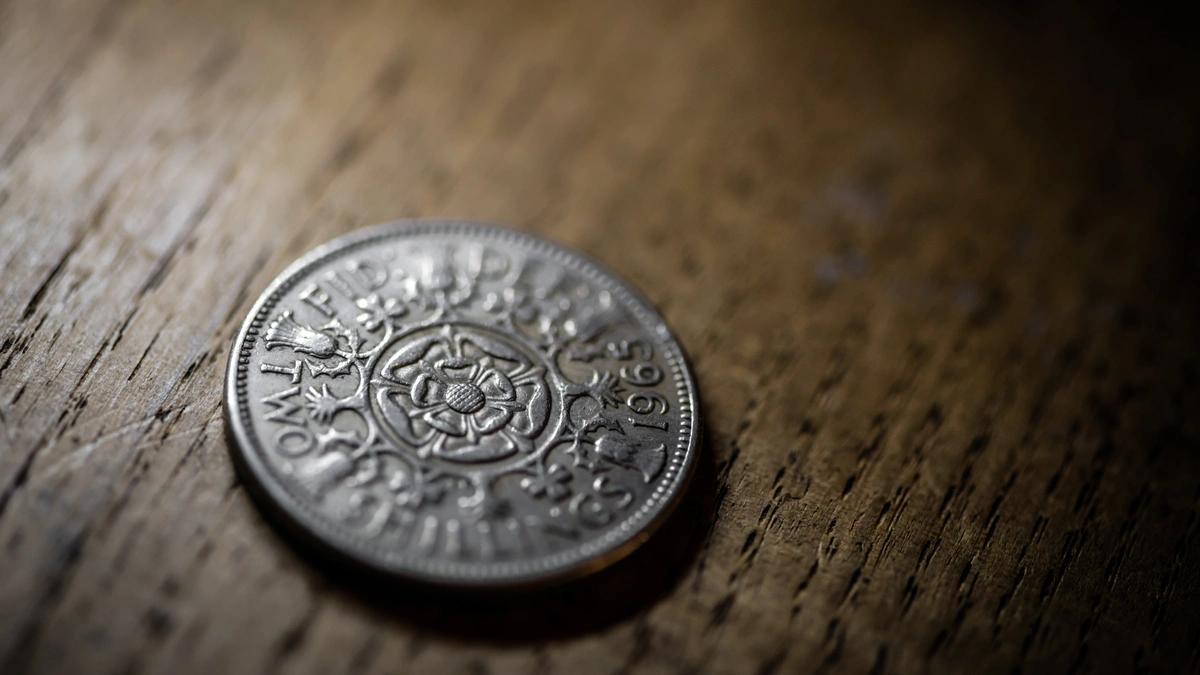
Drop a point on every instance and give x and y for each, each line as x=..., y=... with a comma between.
x=935, y=266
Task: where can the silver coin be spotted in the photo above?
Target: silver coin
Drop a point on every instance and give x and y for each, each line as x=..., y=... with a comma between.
x=461, y=404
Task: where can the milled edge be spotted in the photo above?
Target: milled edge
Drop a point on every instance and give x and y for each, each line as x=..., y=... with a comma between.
x=614, y=544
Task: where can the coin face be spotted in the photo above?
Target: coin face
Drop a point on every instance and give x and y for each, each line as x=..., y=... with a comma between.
x=461, y=404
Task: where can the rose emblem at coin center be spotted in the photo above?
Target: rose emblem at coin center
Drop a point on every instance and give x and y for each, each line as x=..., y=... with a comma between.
x=463, y=394
x=460, y=404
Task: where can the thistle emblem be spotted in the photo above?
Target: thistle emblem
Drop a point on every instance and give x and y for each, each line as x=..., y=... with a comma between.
x=285, y=332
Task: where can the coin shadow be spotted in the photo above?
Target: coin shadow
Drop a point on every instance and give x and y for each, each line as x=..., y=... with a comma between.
x=585, y=605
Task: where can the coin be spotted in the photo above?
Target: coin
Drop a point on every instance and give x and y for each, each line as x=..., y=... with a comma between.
x=461, y=404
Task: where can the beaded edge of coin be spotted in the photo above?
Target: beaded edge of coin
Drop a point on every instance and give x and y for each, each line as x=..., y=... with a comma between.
x=301, y=517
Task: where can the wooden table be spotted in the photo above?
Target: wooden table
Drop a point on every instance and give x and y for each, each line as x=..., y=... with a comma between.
x=935, y=267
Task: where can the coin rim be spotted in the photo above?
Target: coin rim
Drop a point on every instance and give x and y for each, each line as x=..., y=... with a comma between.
x=305, y=519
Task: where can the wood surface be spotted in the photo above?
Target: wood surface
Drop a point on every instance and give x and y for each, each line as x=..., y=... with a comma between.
x=935, y=267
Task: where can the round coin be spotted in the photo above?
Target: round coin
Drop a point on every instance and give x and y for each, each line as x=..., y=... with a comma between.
x=461, y=404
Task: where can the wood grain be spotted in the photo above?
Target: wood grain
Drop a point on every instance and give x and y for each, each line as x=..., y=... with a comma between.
x=935, y=267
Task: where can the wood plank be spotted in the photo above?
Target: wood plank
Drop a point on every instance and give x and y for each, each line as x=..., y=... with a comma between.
x=934, y=267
